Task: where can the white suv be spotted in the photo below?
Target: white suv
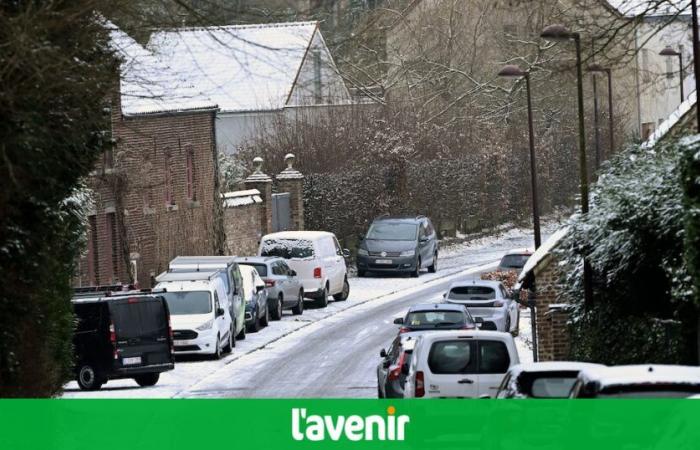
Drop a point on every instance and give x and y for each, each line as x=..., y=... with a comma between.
x=460, y=364
x=316, y=257
x=199, y=313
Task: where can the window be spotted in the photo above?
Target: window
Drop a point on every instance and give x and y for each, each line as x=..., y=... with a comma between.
x=285, y=267
x=169, y=200
x=472, y=293
x=190, y=175
x=392, y=231
x=277, y=269
x=217, y=305
x=185, y=303
x=493, y=356
x=288, y=248
x=114, y=243
x=338, y=250
x=453, y=357
x=94, y=255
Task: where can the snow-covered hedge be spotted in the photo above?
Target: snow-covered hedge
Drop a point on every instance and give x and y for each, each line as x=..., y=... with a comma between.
x=633, y=238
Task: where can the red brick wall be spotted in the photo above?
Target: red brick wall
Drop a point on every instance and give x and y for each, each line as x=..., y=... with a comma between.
x=150, y=159
x=552, y=328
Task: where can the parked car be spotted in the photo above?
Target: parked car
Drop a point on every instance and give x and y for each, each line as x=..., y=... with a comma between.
x=514, y=260
x=393, y=368
x=317, y=259
x=488, y=300
x=121, y=335
x=199, y=312
x=459, y=364
x=398, y=244
x=257, y=313
x=436, y=316
x=231, y=276
x=552, y=379
x=637, y=381
x=283, y=285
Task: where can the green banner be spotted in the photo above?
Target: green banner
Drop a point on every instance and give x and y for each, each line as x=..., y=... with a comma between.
x=351, y=424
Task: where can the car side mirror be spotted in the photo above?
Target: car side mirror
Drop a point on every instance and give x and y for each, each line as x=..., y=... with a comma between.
x=398, y=321
x=292, y=273
x=404, y=369
x=346, y=253
x=259, y=288
x=479, y=320
x=423, y=240
x=219, y=312
x=382, y=353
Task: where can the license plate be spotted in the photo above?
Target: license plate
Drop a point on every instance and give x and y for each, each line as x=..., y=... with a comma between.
x=131, y=361
x=383, y=261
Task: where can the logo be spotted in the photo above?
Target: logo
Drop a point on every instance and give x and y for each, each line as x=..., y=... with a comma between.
x=383, y=254
x=354, y=428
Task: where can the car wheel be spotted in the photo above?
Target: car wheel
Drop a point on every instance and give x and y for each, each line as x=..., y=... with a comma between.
x=516, y=332
x=147, y=379
x=433, y=267
x=322, y=299
x=217, y=348
x=241, y=336
x=299, y=308
x=507, y=330
x=228, y=348
x=255, y=326
x=344, y=294
x=416, y=273
x=88, y=378
x=265, y=320
x=277, y=312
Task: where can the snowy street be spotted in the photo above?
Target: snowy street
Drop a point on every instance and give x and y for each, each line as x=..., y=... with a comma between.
x=330, y=352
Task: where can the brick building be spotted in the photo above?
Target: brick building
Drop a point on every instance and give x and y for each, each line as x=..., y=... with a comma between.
x=156, y=190
x=541, y=278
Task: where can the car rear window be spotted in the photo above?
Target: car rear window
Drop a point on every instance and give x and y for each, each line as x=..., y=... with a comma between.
x=452, y=357
x=435, y=319
x=138, y=318
x=261, y=268
x=552, y=387
x=514, y=261
x=288, y=248
x=189, y=302
x=494, y=357
x=472, y=293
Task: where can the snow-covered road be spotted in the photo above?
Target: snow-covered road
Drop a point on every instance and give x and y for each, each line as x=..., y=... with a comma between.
x=343, y=338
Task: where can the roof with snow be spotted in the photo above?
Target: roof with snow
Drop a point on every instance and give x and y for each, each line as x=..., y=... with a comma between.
x=242, y=67
x=148, y=85
x=651, y=8
x=543, y=253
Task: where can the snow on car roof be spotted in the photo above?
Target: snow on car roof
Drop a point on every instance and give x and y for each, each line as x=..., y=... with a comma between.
x=308, y=235
x=542, y=252
x=519, y=251
x=642, y=374
x=436, y=307
x=475, y=282
x=240, y=67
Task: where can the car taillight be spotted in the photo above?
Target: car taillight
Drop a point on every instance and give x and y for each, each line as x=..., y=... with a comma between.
x=420, y=384
x=395, y=370
x=497, y=304
x=404, y=330
x=113, y=339
x=133, y=300
x=317, y=272
x=172, y=336
x=269, y=283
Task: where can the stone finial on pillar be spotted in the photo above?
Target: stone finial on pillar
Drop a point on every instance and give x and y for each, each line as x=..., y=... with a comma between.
x=263, y=183
x=292, y=181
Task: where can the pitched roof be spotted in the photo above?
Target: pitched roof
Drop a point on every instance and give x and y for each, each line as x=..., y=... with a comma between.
x=651, y=8
x=148, y=85
x=241, y=67
x=542, y=254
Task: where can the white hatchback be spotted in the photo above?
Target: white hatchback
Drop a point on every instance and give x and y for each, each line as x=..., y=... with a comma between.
x=460, y=364
x=316, y=257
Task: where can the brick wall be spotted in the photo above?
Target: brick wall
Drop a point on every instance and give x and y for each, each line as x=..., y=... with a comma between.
x=155, y=197
x=551, y=316
x=242, y=228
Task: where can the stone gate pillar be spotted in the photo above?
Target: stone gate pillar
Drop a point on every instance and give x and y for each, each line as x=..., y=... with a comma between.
x=292, y=181
x=263, y=183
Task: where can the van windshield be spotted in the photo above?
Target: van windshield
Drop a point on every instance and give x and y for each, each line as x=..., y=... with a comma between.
x=138, y=319
x=192, y=302
x=288, y=248
x=392, y=231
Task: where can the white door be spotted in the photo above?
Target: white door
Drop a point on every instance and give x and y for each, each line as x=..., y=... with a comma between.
x=494, y=362
x=330, y=263
x=452, y=369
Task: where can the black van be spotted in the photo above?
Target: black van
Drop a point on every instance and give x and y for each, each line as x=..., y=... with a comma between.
x=121, y=335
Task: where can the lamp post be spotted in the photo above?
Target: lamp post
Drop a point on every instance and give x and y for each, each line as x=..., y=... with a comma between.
x=559, y=33
x=511, y=71
x=597, y=68
x=668, y=51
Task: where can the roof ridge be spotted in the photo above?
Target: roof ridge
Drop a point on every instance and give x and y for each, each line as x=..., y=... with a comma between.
x=240, y=27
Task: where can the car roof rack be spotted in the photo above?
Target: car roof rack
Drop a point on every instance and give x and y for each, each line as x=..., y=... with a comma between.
x=96, y=295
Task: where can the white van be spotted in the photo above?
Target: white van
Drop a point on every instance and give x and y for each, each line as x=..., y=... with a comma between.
x=460, y=364
x=316, y=257
x=199, y=312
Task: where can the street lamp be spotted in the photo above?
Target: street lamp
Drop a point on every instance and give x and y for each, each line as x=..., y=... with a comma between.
x=559, y=33
x=668, y=51
x=597, y=68
x=512, y=71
